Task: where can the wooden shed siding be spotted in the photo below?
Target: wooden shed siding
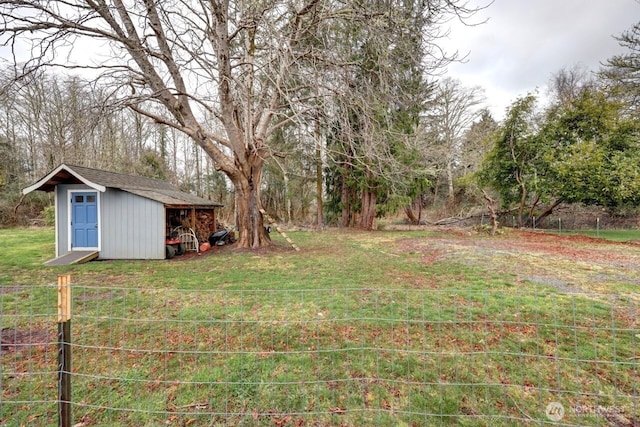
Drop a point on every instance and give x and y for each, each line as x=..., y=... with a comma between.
x=132, y=226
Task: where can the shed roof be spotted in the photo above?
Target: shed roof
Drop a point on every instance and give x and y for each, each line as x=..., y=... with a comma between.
x=154, y=189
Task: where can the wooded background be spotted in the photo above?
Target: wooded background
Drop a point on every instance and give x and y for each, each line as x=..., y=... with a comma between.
x=373, y=127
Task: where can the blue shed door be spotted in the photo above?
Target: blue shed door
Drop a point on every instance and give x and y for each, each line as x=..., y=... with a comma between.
x=84, y=220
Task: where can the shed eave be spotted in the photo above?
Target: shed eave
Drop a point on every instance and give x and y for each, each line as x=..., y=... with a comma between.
x=44, y=181
x=172, y=199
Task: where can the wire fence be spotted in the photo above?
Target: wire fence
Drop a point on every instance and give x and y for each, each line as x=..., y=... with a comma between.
x=567, y=221
x=560, y=223
x=148, y=357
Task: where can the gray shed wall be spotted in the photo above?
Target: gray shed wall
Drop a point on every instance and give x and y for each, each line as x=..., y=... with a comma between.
x=131, y=227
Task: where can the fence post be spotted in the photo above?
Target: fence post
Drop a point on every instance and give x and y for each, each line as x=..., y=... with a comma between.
x=64, y=351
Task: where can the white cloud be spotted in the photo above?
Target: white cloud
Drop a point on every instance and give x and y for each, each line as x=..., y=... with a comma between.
x=524, y=42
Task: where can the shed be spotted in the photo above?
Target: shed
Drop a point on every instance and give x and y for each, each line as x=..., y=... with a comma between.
x=116, y=216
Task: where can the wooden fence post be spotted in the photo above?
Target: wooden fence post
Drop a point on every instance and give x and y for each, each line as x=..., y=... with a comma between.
x=64, y=351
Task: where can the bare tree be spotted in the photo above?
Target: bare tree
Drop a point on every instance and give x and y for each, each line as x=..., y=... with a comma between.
x=568, y=84
x=230, y=60
x=452, y=113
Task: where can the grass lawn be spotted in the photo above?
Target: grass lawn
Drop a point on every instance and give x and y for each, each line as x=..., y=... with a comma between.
x=431, y=327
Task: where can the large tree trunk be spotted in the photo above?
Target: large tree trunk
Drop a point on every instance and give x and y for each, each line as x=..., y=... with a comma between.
x=411, y=215
x=249, y=220
x=413, y=218
x=368, y=209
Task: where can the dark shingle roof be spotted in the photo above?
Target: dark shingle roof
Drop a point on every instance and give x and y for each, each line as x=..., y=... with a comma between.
x=120, y=180
x=154, y=189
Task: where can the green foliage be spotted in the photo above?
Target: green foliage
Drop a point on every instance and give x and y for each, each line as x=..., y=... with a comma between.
x=511, y=165
x=580, y=173
x=49, y=215
x=12, y=172
x=591, y=152
x=625, y=178
x=623, y=70
x=371, y=154
x=582, y=151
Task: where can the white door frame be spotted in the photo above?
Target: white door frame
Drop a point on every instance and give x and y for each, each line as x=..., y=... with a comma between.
x=70, y=217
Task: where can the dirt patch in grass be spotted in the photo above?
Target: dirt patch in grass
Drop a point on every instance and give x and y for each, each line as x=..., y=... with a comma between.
x=17, y=340
x=568, y=263
x=12, y=289
x=582, y=248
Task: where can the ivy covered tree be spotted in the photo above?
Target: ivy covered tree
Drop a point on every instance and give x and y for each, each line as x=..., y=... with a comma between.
x=373, y=157
x=584, y=150
x=592, y=152
x=511, y=167
x=475, y=147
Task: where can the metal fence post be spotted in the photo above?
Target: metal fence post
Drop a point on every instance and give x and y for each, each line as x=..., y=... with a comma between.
x=64, y=351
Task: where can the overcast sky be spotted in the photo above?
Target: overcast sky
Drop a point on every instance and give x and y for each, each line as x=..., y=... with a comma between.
x=524, y=42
